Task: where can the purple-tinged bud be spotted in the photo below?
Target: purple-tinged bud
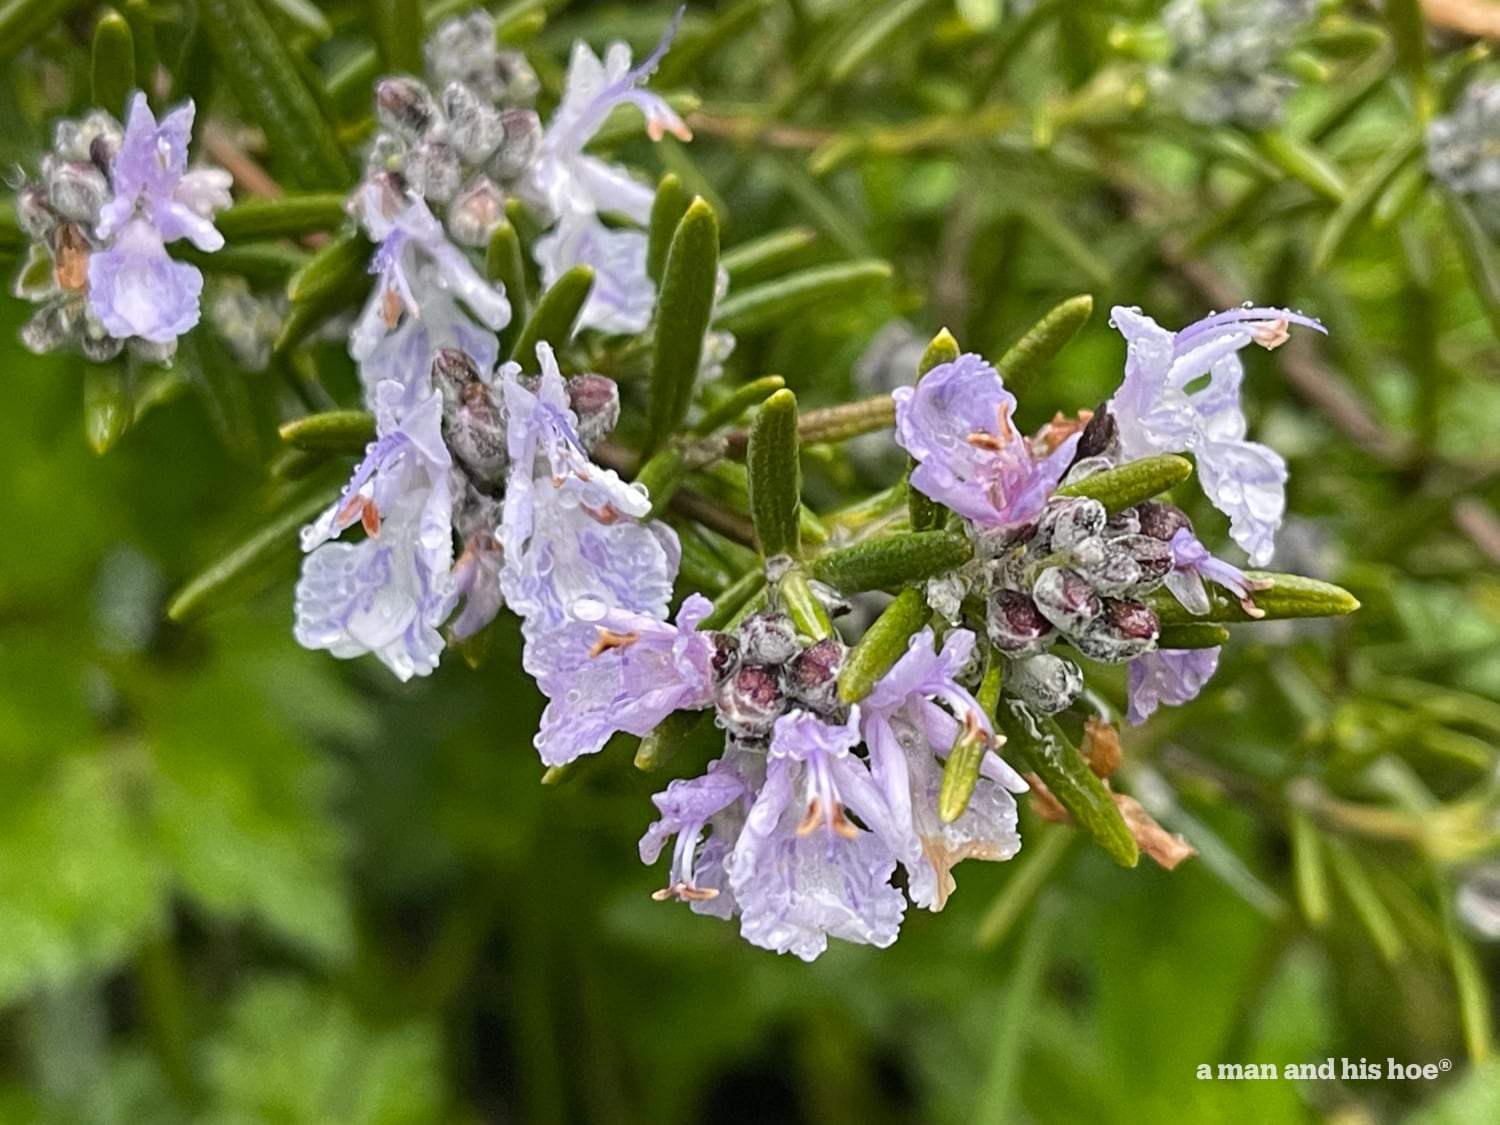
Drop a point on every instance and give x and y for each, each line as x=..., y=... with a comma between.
x=390, y=194
x=103, y=149
x=1047, y=683
x=523, y=139
x=1127, y=522
x=473, y=421
x=768, y=638
x=452, y=370
x=596, y=401
x=476, y=212
x=1161, y=521
x=1107, y=568
x=1066, y=599
x=77, y=190
x=405, y=106
x=1068, y=521
x=34, y=213
x=475, y=129
x=726, y=657
x=1125, y=630
x=749, y=702
x=1153, y=556
x=812, y=677
x=1015, y=626
x=1100, y=438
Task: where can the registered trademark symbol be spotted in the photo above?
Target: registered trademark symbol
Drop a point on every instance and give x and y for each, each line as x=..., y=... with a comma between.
x=1444, y=1064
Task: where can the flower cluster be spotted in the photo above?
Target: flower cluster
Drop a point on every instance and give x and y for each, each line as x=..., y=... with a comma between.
x=1058, y=568
x=1225, y=64
x=1463, y=149
x=107, y=203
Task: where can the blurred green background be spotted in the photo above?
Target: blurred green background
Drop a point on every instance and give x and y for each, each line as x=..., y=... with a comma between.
x=241, y=882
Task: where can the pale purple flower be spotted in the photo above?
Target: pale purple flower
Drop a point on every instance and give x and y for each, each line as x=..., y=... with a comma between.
x=801, y=870
x=572, y=530
x=623, y=297
x=572, y=189
x=1192, y=563
x=388, y=594
x=609, y=670
x=1160, y=408
x=913, y=718
x=1168, y=676
x=970, y=457
x=419, y=305
x=716, y=803
x=135, y=288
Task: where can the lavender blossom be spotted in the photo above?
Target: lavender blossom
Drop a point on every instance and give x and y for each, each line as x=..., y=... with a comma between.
x=572, y=530
x=135, y=288
x=425, y=285
x=1157, y=413
x=609, y=670
x=1191, y=564
x=908, y=731
x=716, y=803
x=801, y=870
x=388, y=594
x=1168, y=676
x=573, y=189
x=957, y=423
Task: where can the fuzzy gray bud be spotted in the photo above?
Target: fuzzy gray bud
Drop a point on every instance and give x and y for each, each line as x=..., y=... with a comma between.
x=596, y=401
x=812, y=677
x=1047, y=683
x=1015, y=626
x=768, y=638
x=1066, y=599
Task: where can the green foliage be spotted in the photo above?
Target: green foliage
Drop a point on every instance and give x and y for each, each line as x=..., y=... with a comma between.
x=240, y=882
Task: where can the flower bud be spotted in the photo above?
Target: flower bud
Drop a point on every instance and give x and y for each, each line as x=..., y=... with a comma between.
x=1047, y=683
x=812, y=677
x=768, y=638
x=596, y=401
x=33, y=211
x=1015, y=626
x=1124, y=630
x=726, y=657
x=1068, y=521
x=1153, y=556
x=1100, y=438
x=433, y=168
x=473, y=423
x=523, y=137
x=1107, y=568
x=474, y=129
x=405, y=106
x=1066, y=599
x=749, y=702
x=452, y=371
x=476, y=212
x=75, y=189
x=1161, y=521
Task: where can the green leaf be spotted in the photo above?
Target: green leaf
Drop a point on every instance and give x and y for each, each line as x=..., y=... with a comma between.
x=291, y=216
x=143, y=33
x=1361, y=198
x=882, y=563
x=503, y=262
x=729, y=604
x=24, y=20
x=259, y=68
x=1288, y=596
x=554, y=316
x=107, y=407
x=1365, y=899
x=764, y=305
x=1041, y=747
x=680, y=734
x=1194, y=634
x=335, y=431
x=1409, y=33
x=926, y=513
x=876, y=37
x=1303, y=162
x=304, y=16
x=660, y=477
x=1481, y=261
x=92, y=886
x=797, y=599
x=1128, y=485
x=739, y=400
x=398, y=34
x=114, y=61
x=667, y=209
x=1310, y=874
x=883, y=644
x=775, y=476
x=332, y=271
x=768, y=252
x=249, y=558
x=961, y=770
x=1029, y=355
x=683, y=309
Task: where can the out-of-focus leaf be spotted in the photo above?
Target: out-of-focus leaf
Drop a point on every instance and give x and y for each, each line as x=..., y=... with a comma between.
x=738, y=401
x=23, y=20
x=398, y=33
x=876, y=36
x=1361, y=198
x=114, y=61
x=667, y=209
x=290, y=216
x=750, y=260
x=764, y=305
x=107, y=404
x=683, y=309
